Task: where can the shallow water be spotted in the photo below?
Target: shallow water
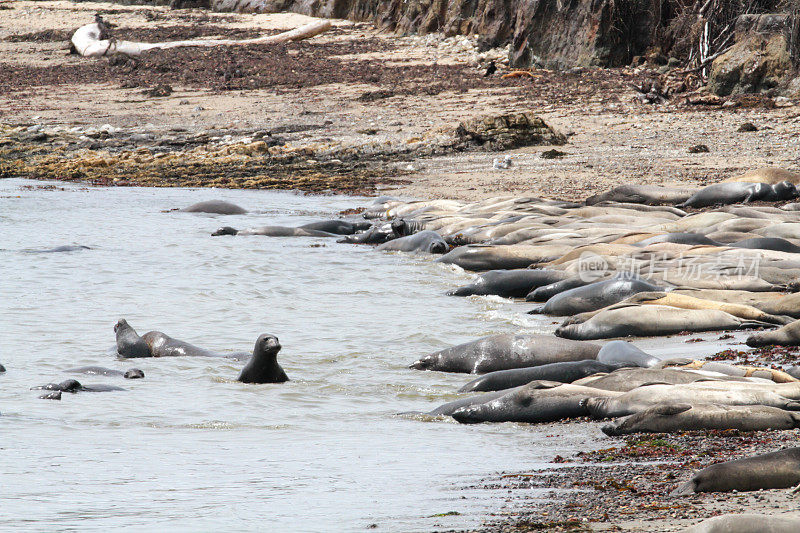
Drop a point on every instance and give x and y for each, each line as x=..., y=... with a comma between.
x=190, y=448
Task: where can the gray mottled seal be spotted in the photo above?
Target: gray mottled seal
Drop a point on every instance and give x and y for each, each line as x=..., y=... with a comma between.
x=509, y=283
x=263, y=367
x=491, y=257
x=273, y=231
x=627, y=379
x=376, y=234
x=424, y=241
x=538, y=401
x=767, y=243
x=747, y=523
x=338, y=227
x=156, y=344
x=544, y=293
x=217, y=207
x=131, y=373
x=730, y=193
x=776, y=470
x=788, y=335
x=502, y=352
x=593, y=296
x=447, y=409
x=653, y=321
x=71, y=385
x=672, y=418
x=566, y=372
x=622, y=352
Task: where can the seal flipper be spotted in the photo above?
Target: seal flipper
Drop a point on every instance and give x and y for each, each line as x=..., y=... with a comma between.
x=672, y=409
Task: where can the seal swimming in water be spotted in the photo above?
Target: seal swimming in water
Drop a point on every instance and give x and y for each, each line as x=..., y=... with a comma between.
x=538, y=401
x=156, y=344
x=216, y=207
x=565, y=372
x=776, y=470
x=424, y=241
x=131, y=373
x=509, y=283
x=502, y=352
x=71, y=385
x=673, y=418
x=263, y=367
x=59, y=249
x=788, y=335
x=273, y=231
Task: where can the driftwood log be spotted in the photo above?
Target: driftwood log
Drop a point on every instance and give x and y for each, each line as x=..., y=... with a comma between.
x=88, y=40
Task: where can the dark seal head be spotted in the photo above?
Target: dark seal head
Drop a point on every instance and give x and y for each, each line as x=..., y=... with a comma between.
x=2, y=369
x=68, y=385
x=133, y=373
x=129, y=343
x=263, y=367
x=225, y=230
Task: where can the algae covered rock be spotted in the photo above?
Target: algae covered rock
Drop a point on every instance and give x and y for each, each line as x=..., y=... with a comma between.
x=506, y=131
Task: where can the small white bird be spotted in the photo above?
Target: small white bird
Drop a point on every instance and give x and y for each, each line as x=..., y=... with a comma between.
x=502, y=164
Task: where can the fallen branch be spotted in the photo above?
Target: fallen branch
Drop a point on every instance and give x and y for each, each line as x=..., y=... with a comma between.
x=705, y=63
x=88, y=42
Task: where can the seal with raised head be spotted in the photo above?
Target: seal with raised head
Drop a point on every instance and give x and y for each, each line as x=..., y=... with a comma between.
x=131, y=373
x=263, y=367
x=505, y=351
x=424, y=241
x=216, y=207
x=509, y=283
x=566, y=372
x=776, y=470
x=788, y=335
x=156, y=344
x=72, y=385
x=679, y=417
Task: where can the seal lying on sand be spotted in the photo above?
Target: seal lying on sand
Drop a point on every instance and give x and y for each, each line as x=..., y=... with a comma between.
x=566, y=372
x=673, y=418
x=273, y=231
x=263, y=366
x=643, y=194
x=501, y=352
x=447, y=409
x=593, y=296
x=156, y=344
x=490, y=257
x=424, y=241
x=788, y=335
x=653, y=320
x=218, y=207
x=776, y=470
x=131, y=373
x=625, y=353
x=538, y=401
x=627, y=379
x=736, y=192
x=509, y=283
x=747, y=523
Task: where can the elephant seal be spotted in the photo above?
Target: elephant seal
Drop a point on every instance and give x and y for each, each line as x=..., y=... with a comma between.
x=55, y=395
x=424, y=241
x=2, y=369
x=747, y=523
x=625, y=353
x=711, y=392
x=71, y=385
x=769, y=175
x=447, y=409
x=542, y=294
x=375, y=234
x=643, y=194
x=767, y=243
x=627, y=379
x=273, y=231
x=776, y=470
x=502, y=352
x=156, y=344
x=594, y=296
x=131, y=373
x=729, y=193
x=738, y=371
x=673, y=418
x=217, y=207
x=263, y=367
x=477, y=257
x=678, y=238
x=509, y=283
x=653, y=321
x=565, y=372
x=337, y=227
x=788, y=335
x=59, y=249
x=538, y=401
